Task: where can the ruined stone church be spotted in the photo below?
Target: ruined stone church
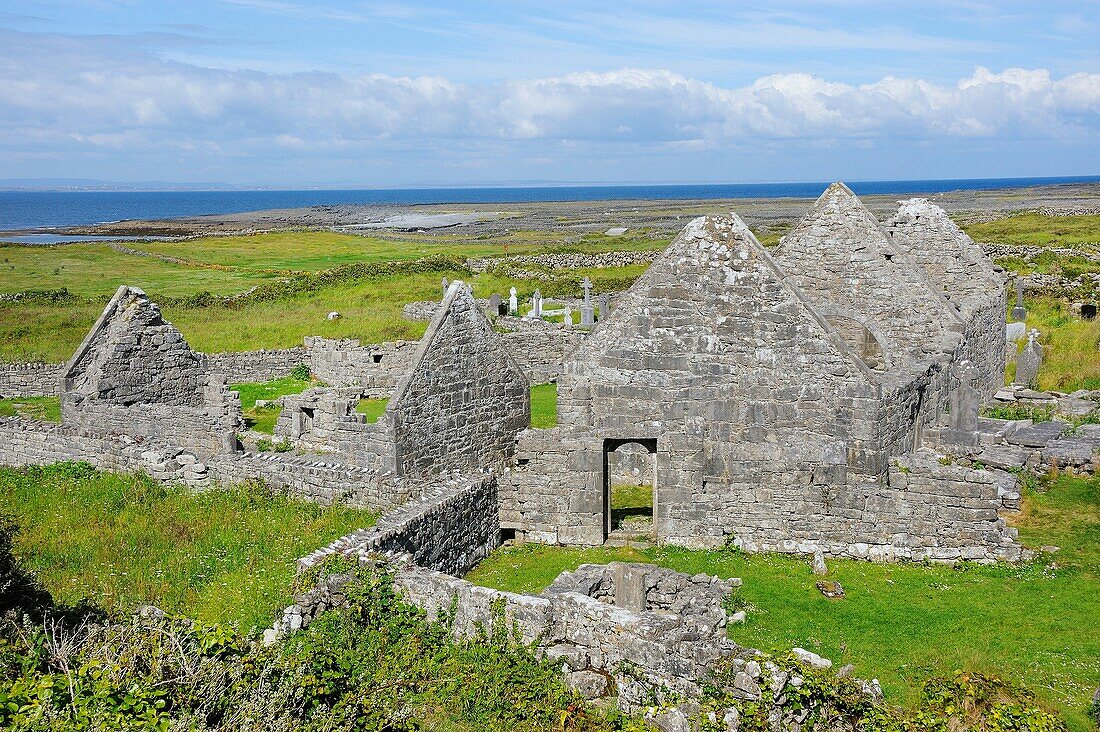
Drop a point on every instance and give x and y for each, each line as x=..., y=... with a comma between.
x=784, y=395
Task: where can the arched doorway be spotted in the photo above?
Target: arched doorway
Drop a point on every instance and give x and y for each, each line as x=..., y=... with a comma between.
x=630, y=488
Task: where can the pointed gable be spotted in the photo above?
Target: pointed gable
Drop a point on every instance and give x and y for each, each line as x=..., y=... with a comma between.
x=844, y=263
x=950, y=259
x=133, y=355
x=464, y=400
x=711, y=331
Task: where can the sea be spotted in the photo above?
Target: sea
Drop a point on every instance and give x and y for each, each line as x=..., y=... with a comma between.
x=22, y=210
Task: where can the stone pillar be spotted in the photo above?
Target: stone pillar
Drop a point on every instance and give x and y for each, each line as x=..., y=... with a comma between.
x=588, y=313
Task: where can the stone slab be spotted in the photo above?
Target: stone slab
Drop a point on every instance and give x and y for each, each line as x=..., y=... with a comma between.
x=1039, y=434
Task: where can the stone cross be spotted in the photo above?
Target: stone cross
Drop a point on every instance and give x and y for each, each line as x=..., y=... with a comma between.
x=446, y=284
x=1019, y=312
x=1029, y=360
x=536, y=305
x=513, y=302
x=588, y=312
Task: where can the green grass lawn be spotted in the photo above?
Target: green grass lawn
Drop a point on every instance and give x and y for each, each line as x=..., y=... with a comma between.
x=96, y=270
x=1037, y=230
x=121, y=541
x=372, y=408
x=631, y=506
x=544, y=405
x=262, y=419
x=1037, y=623
x=1071, y=359
x=44, y=408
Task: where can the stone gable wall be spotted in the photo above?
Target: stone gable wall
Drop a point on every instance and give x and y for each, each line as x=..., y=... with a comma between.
x=464, y=401
x=711, y=333
x=840, y=258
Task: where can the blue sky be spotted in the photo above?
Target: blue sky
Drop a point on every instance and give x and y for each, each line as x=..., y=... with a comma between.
x=288, y=93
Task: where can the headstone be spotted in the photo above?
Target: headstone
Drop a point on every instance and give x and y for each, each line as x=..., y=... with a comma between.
x=494, y=304
x=1015, y=331
x=964, y=402
x=1029, y=360
x=1019, y=313
x=513, y=302
x=605, y=306
x=446, y=284
x=567, y=317
x=588, y=312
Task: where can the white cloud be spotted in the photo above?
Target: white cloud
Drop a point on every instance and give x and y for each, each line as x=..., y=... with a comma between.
x=64, y=91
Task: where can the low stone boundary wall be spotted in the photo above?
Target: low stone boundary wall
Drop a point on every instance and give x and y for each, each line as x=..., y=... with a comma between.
x=30, y=379
x=452, y=526
x=31, y=442
x=569, y=261
x=256, y=366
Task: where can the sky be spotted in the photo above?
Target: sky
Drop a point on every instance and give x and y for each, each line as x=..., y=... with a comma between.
x=350, y=93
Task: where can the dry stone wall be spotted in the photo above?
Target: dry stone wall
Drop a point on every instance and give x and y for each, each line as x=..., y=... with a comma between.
x=30, y=379
x=539, y=348
x=257, y=366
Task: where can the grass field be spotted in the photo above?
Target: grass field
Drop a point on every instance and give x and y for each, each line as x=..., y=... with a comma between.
x=262, y=419
x=122, y=541
x=544, y=405
x=1033, y=229
x=1036, y=623
x=1071, y=359
x=43, y=408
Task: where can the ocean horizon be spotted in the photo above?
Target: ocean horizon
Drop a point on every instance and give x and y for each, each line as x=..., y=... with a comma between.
x=22, y=210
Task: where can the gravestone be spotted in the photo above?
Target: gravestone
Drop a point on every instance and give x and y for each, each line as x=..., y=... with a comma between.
x=1029, y=360
x=446, y=284
x=567, y=317
x=1014, y=332
x=494, y=304
x=536, y=305
x=1019, y=312
x=605, y=306
x=588, y=313
x=964, y=402
x=513, y=302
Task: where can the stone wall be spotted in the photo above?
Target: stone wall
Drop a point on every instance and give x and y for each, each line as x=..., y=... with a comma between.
x=30, y=379
x=257, y=366
x=135, y=374
x=465, y=399
x=451, y=526
x=539, y=348
x=377, y=367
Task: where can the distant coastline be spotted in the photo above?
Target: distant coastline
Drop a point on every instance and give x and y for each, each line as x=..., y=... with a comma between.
x=27, y=210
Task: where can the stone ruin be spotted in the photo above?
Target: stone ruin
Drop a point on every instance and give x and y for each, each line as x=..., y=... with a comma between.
x=795, y=401
x=135, y=374
x=785, y=397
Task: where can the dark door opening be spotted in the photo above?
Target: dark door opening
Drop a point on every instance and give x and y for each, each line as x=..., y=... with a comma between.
x=629, y=487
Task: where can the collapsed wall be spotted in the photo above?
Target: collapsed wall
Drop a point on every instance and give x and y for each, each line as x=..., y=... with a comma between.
x=135, y=373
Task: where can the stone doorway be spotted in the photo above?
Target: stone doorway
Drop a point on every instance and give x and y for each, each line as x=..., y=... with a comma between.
x=630, y=490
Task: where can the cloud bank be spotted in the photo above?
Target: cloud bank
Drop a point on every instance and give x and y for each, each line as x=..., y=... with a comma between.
x=65, y=93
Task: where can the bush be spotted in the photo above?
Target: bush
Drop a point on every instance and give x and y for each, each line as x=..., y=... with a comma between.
x=300, y=372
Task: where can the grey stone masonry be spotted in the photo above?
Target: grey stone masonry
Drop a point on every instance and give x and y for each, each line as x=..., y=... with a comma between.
x=845, y=264
x=538, y=347
x=135, y=374
x=967, y=280
x=376, y=367
x=30, y=379
x=257, y=366
x=464, y=400
x=776, y=398
x=450, y=527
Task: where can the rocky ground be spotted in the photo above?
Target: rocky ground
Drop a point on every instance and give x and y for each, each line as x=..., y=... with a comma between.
x=582, y=216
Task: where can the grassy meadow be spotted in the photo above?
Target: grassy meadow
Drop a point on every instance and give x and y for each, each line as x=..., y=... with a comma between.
x=121, y=541
x=1036, y=623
